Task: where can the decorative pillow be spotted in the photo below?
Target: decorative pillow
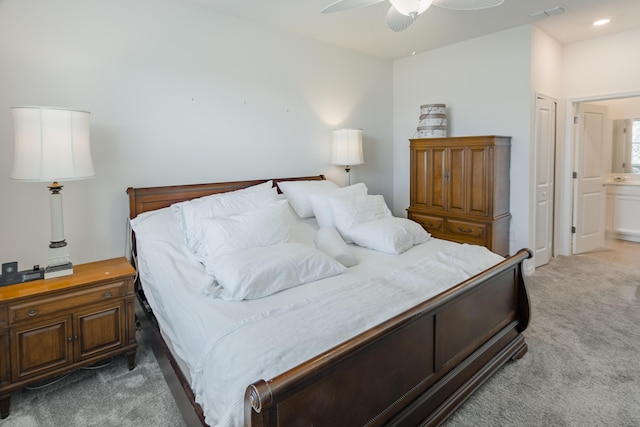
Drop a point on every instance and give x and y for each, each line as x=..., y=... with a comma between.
x=298, y=192
x=348, y=213
x=258, y=272
x=320, y=202
x=329, y=241
x=270, y=225
x=190, y=212
x=390, y=235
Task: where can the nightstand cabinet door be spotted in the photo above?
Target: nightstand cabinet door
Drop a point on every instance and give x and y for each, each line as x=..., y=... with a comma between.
x=41, y=347
x=99, y=329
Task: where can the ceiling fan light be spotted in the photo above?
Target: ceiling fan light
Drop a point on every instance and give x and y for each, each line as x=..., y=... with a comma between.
x=468, y=4
x=411, y=7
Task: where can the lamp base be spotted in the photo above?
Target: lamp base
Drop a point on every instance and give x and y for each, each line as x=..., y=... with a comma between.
x=59, y=262
x=58, y=271
x=347, y=178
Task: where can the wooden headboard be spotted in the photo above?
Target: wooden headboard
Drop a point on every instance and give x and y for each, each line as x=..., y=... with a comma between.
x=152, y=198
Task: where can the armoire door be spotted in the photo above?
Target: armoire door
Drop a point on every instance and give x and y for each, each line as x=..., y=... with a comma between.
x=455, y=175
x=478, y=167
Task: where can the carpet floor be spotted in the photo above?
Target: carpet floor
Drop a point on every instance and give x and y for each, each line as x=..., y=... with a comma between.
x=583, y=363
x=582, y=367
x=111, y=396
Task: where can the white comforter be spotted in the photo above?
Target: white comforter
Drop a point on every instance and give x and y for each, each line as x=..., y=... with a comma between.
x=217, y=340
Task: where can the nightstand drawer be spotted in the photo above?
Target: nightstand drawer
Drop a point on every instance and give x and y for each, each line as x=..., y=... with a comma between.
x=45, y=306
x=469, y=229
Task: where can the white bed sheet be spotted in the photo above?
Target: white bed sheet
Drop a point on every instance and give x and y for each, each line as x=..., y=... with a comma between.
x=208, y=334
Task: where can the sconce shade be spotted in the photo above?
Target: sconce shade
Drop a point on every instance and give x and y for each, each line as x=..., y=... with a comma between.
x=51, y=144
x=347, y=147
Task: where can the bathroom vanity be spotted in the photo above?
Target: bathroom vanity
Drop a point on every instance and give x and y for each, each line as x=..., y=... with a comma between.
x=623, y=207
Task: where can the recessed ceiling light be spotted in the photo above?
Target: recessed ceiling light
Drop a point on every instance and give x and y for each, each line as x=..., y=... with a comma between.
x=601, y=22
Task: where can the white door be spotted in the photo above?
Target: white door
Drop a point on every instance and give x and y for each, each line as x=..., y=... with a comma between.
x=589, y=190
x=545, y=138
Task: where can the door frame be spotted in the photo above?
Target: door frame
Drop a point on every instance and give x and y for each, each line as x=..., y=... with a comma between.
x=565, y=165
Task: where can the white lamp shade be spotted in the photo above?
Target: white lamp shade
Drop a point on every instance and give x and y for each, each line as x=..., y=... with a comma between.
x=51, y=144
x=411, y=7
x=347, y=147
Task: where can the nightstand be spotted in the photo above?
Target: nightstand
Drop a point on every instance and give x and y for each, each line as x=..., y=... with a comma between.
x=52, y=326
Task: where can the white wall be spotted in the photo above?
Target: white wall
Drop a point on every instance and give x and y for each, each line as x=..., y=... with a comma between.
x=181, y=94
x=486, y=85
x=602, y=66
x=595, y=69
x=178, y=94
x=546, y=81
x=546, y=64
x=621, y=108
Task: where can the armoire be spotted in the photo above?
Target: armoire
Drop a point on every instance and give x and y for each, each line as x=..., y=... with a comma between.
x=459, y=189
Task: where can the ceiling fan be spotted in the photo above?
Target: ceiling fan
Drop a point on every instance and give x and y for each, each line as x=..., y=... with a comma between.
x=403, y=13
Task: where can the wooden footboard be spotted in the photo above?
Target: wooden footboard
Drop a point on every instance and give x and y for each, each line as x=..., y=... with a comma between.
x=414, y=369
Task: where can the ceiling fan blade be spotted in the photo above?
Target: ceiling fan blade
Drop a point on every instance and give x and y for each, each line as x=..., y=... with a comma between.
x=348, y=4
x=398, y=21
x=467, y=4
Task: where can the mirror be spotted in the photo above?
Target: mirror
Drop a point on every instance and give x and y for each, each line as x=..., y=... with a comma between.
x=625, y=154
x=624, y=113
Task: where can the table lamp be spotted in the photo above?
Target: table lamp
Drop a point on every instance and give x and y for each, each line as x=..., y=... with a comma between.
x=51, y=145
x=347, y=149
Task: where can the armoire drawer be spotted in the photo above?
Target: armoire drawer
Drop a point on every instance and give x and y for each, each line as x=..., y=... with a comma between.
x=468, y=229
x=430, y=223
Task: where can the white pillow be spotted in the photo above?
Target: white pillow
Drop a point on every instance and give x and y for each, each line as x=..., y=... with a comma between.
x=348, y=213
x=270, y=225
x=298, y=192
x=320, y=202
x=258, y=272
x=390, y=235
x=329, y=241
x=190, y=212
x=146, y=222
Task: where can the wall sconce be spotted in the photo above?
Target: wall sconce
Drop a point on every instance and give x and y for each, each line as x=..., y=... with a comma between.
x=51, y=145
x=347, y=149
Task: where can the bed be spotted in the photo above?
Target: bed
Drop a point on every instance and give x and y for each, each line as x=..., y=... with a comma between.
x=411, y=360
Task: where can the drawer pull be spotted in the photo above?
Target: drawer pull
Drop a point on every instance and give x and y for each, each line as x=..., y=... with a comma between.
x=465, y=230
x=70, y=339
x=106, y=295
x=33, y=312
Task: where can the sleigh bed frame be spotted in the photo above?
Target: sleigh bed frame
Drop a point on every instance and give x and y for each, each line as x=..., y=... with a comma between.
x=414, y=369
